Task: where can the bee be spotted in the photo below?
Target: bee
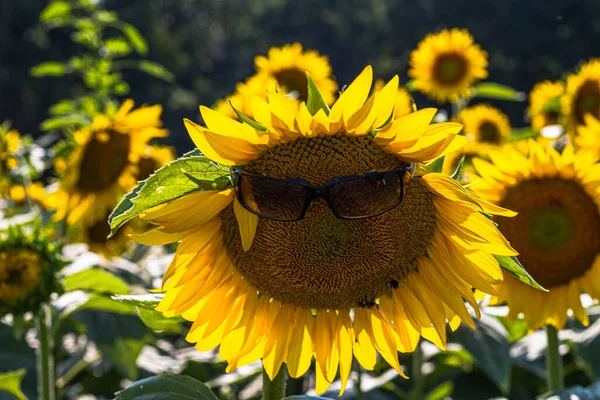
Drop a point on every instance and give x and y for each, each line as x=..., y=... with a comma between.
x=367, y=303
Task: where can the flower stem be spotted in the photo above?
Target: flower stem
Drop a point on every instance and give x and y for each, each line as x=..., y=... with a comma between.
x=418, y=382
x=553, y=360
x=45, y=357
x=274, y=389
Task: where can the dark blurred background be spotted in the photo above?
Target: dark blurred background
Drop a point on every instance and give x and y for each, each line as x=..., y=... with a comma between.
x=210, y=44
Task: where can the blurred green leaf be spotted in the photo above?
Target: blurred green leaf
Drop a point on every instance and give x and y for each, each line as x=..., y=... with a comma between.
x=117, y=46
x=516, y=329
x=134, y=36
x=441, y=392
x=519, y=134
x=72, y=302
x=147, y=301
x=315, y=101
x=62, y=121
x=50, y=68
x=489, y=347
x=587, y=344
x=11, y=382
x=514, y=267
x=155, y=69
x=96, y=280
x=167, y=387
x=56, y=9
x=169, y=183
x=491, y=90
x=437, y=165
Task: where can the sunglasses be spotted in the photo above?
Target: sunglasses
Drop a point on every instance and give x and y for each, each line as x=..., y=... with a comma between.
x=349, y=197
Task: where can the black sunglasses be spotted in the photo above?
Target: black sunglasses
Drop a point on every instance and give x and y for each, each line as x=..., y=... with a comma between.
x=349, y=197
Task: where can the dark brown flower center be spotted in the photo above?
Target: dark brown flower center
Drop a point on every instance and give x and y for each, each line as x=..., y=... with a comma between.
x=322, y=262
x=587, y=101
x=449, y=69
x=104, y=159
x=550, y=118
x=20, y=271
x=489, y=132
x=556, y=231
x=294, y=80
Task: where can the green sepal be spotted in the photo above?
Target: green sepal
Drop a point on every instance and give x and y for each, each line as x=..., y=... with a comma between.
x=437, y=165
x=191, y=173
x=246, y=119
x=491, y=90
x=11, y=382
x=514, y=267
x=315, y=101
x=458, y=171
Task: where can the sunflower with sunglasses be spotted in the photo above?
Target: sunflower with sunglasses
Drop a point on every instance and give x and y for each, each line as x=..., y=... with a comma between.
x=334, y=240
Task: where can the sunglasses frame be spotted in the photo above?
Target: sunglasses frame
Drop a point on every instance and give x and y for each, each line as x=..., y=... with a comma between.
x=313, y=192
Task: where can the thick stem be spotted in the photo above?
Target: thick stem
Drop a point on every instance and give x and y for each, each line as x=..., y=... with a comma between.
x=45, y=356
x=418, y=381
x=553, y=360
x=274, y=389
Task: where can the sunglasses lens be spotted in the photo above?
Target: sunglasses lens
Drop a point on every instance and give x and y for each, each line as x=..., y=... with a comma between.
x=369, y=195
x=272, y=198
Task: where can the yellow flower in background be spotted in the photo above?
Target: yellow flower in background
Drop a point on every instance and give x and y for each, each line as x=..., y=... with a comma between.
x=36, y=192
x=447, y=64
x=544, y=104
x=487, y=128
x=288, y=65
x=154, y=157
x=9, y=143
x=403, y=104
x=556, y=231
x=105, y=163
x=282, y=70
x=321, y=286
x=587, y=137
x=582, y=95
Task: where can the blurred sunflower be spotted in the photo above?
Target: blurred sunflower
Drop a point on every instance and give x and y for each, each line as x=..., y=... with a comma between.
x=544, y=104
x=255, y=86
x=323, y=286
x=154, y=157
x=9, y=143
x=289, y=64
x=487, y=128
x=105, y=163
x=445, y=65
x=587, y=136
x=35, y=192
x=28, y=267
x=403, y=104
x=582, y=95
x=556, y=231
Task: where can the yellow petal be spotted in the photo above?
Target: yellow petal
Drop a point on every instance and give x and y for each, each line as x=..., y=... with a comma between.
x=406, y=130
x=387, y=100
x=154, y=237
x=247, y=223
x=353, y=97
x=300, y=348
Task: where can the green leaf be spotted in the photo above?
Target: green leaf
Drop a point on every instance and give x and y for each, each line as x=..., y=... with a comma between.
x=517, y=329
x=170, y=183
x=437, y=165
x=491, y=90
x=514, y=267
x=56, y=9
x=167, y=387
x=158, y=322
x=50, y=68
x=490, y=349
x=157, y=70
x=11, y=382
x=117, y=46
x=96, y=280
x=147, y=301
x=459, y=168
x=519, y=134
x=315, y=101
x=134, y=36
x=246, y=119
x=62, y=121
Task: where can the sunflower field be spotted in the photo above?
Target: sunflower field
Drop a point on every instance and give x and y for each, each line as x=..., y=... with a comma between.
x=376, y=200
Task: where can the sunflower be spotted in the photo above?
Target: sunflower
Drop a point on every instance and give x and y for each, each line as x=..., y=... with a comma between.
x=404, y=102
x=582, y=95
x=10, y=142
x=35, y=192
x=544, y=104
x=289, y=64
x=445, y=65
x=487, y=128
x=154, y=157
x=255, y=86
x=323, y=286
x=588, y=135
x=556, y=231
x=105, y=163
x=28, y=267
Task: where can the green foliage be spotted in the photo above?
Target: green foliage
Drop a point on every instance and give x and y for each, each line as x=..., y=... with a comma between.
x=50, y=68
x=315, y=101
x=514, y=267
x=16, y=355
x=437, y=165
x=167, y=387
x=11, y=382
x=491, y=90
x=95, y=280
x=183, y=176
